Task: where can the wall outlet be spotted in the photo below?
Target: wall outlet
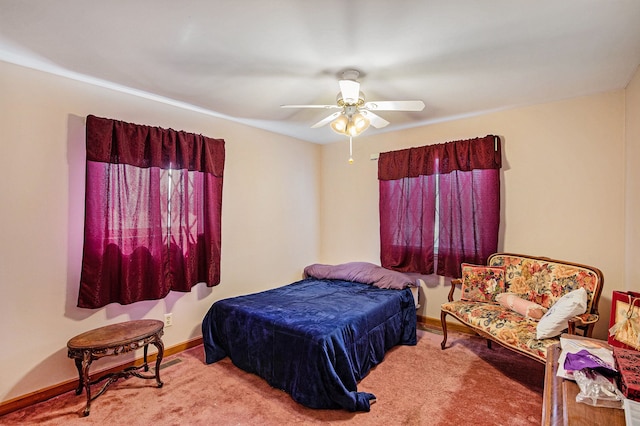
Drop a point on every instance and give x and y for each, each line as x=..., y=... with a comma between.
x=168, y=320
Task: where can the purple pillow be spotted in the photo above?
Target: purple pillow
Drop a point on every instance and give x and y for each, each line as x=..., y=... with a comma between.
x=362, y=272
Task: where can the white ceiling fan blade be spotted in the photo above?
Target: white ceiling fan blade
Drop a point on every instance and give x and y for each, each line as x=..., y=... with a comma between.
x=350, y=90
x=395, y=106
x=375, y=120
x=327, y=119
x=310, y=106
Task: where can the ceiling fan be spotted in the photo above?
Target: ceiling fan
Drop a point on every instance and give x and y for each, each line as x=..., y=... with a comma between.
x=354, y=115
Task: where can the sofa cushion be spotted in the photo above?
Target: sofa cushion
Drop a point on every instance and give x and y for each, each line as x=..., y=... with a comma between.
x=508, y=327
x=555, y=320
x=481, y=283
x=542, y=281
x=524, y=307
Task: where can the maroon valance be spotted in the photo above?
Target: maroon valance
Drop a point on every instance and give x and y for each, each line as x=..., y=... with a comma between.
x=118, y=142
x=463, y=155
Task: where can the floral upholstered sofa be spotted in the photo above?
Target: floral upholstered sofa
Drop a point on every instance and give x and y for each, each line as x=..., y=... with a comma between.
x=511, y=301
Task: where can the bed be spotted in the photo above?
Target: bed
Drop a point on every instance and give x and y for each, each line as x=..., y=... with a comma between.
x=318, y=337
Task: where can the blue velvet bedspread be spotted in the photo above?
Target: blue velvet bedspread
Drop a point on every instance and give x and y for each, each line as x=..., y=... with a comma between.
x=314, y=339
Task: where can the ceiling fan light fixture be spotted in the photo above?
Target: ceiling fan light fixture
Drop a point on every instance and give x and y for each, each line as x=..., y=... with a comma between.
x=350, y=125
x=352, y=130
x=360, y=122
x=340, y=124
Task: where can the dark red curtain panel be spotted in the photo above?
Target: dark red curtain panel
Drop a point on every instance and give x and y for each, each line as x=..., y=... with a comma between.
x=460, y=182
x=469, y=219
x=407, y=218
x=152, y=212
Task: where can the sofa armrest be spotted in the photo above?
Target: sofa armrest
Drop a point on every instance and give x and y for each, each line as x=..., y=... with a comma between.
x=586, y=319
x=454, y=282
x=583, y=320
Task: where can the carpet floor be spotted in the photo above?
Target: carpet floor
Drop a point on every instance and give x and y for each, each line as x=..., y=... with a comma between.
x=465, y=384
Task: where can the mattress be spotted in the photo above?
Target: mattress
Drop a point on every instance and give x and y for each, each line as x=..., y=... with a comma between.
x=315, y=338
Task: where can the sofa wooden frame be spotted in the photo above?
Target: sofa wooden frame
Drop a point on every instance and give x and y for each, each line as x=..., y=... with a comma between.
x=580, y=325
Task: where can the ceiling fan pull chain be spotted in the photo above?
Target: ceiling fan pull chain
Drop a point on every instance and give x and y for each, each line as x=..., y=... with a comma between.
x=350, y=150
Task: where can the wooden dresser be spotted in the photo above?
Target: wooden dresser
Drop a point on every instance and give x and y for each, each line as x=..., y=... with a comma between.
x=559, y=406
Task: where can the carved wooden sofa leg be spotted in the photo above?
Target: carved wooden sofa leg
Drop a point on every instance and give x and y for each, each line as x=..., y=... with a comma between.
x=443, y=314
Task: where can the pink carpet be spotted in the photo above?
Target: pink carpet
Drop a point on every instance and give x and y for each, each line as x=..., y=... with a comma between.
x=467, y=383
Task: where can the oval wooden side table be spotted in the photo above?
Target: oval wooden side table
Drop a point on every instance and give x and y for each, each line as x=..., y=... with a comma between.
x=112, y=340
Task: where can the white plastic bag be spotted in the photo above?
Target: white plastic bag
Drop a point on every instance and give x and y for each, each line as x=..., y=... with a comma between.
x=597, y=390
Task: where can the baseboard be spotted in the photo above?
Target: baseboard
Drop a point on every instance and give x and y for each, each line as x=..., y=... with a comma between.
x=55, y=390
x=437, y=324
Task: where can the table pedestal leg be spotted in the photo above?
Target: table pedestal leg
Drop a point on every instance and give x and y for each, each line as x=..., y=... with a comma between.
x=86, y=363
x=160, y=346
x=146, y=366
x=80, y=382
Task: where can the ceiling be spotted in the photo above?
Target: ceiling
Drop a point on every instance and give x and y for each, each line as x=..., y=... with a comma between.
x=242, y=59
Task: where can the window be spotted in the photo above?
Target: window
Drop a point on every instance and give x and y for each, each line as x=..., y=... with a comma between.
x=440, y=205
x=152, y=215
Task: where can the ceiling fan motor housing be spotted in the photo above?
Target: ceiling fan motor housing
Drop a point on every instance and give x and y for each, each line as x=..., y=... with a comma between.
x=340, y=101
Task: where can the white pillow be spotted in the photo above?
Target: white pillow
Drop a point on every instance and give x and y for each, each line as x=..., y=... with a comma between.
x=556, y=319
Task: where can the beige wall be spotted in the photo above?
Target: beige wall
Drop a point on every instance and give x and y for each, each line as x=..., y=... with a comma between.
x=632, y=196
x=288, y=203
x=270, y=220
x=562, y=187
